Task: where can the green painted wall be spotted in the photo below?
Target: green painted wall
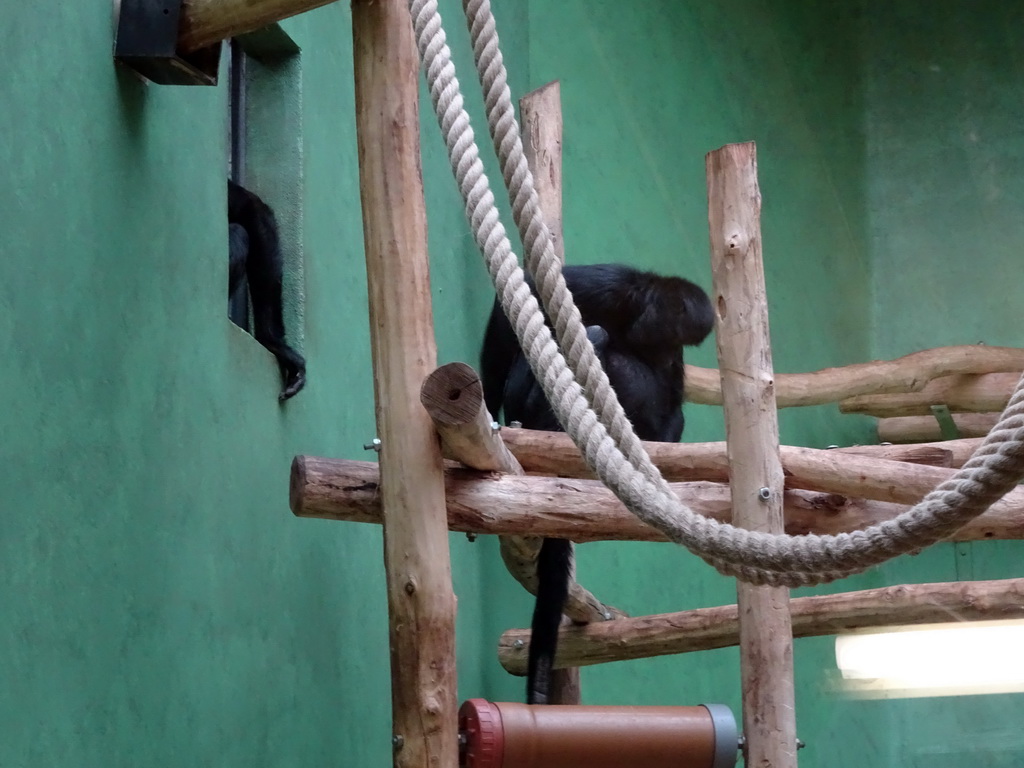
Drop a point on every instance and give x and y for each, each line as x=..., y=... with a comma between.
x=944, y=95
x=159, y=604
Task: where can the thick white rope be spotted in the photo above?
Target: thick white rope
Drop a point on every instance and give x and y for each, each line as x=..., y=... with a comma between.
x=760, y=558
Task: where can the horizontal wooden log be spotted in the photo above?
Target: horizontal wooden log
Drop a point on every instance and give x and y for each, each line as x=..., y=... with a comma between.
x=584, y=510
x=989, y=392
x=916, y=429
x=205, y=22
x=707, y=628
x=554, y=453
x=909, y=373
x=853, y=472
x=864, y=477
x=930, y=454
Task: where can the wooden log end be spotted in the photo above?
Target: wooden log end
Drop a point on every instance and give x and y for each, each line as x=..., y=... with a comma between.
x=542, y=89
x=452, y=394
x=296, y=484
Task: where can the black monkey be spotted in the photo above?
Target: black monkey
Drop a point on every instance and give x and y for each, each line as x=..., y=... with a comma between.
x=639, y=323
x=255, y=255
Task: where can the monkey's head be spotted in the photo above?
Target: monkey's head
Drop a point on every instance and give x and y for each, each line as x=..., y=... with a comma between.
x=673, y=312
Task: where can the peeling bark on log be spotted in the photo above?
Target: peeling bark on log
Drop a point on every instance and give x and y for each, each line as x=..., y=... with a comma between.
x=959, y=450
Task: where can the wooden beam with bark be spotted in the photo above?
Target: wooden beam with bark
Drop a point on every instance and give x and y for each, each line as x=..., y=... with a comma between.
x=960, y=450
x=988, y=392
x=584, y=510
x=704, y=629
x=910, y=373
x=917, y=429
x=554, y=453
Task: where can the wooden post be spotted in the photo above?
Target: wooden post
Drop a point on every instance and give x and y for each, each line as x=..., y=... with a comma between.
x=205, y=22
x=421, y=603
x=752, y=432
x=541, y=112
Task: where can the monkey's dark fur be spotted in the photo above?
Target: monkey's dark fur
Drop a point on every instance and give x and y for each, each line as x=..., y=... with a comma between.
x=639, y=323
x=255, y=259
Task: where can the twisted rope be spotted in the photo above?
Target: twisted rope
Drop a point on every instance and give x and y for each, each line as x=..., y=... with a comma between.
x=602, y=432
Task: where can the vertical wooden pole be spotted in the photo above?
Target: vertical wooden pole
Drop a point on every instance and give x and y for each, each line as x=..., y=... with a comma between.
x=541, y=112
x=752, y=432
x=420, y=599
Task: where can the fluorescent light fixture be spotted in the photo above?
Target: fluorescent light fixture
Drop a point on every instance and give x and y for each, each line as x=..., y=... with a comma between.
x=933, y=660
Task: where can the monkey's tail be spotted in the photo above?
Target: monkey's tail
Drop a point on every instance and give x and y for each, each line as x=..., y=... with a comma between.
x=553, y=566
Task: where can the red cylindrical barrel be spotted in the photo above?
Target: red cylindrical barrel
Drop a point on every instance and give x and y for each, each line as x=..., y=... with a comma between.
x=510, y=735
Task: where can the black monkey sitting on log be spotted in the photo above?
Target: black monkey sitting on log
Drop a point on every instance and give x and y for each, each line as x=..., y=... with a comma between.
x=255, y=260
x=639, y=323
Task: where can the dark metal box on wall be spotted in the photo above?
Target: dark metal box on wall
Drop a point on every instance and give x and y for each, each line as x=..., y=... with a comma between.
x=147, y=42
